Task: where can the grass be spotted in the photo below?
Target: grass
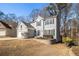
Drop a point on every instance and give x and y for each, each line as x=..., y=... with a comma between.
x=75, y=50
x=19, y=47
x=16, y=47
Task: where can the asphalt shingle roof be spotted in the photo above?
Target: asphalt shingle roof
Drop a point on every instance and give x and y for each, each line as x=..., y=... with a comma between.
x=28, y=25
x=5, y=24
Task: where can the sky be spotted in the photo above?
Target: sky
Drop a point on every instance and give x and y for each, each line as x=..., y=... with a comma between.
x=20, y=9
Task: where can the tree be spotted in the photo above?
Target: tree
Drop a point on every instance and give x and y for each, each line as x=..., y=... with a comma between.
x=66, y=11
x=12, y=17
x=20, y=18
x=55, y=9
x=1, y=15
x=34, y=14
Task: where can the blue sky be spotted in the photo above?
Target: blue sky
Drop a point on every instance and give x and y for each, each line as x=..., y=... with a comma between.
x=20, y=9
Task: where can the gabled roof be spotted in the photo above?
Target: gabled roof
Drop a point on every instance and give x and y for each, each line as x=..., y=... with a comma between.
x=28, y=25
x=46, y=17
x=11, y=23
x=5, y=24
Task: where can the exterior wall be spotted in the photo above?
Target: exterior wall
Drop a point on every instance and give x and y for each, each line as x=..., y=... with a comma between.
x=51, y=26
x=44, y=27
x=22, y=31
x=14, y=32
x=40, y=27
x=55, y=26
x=31, y=33
x=11, y=32
x=3, y=30
x=8, y=32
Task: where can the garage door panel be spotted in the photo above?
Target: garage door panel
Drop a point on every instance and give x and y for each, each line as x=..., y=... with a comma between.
x=2, y=33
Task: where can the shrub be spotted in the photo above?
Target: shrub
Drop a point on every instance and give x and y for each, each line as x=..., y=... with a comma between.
x=67, y=40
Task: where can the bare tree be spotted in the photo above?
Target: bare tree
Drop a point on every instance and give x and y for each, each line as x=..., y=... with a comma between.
x=34, y=14
x=56, y=9
x=1, y=15
x=66, y=11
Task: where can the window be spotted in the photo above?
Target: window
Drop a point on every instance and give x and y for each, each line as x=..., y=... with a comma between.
x=49, y=21
x=49, y=32
x=21, y=27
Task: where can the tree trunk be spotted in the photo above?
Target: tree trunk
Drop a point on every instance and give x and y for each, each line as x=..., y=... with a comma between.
x=58, y=26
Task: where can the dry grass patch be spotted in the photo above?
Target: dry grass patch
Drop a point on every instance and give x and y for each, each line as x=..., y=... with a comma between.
x=20, y=47
x=31, y=48
x=75, y=50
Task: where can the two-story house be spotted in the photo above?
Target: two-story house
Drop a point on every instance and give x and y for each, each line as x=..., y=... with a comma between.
x=46, y=26
x=40, y=27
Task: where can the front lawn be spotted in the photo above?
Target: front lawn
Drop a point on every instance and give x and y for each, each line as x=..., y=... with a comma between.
x=75, y=50
x=31, y=47
x=19, y=47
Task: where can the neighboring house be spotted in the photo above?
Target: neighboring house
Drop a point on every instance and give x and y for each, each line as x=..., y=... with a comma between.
x=5, y=29
x=46, y=26
x=13, y=26
x=25, y=30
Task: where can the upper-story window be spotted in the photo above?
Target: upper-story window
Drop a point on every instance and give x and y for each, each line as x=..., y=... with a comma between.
x=38, y=23
x=49, y=21
x=21, y=27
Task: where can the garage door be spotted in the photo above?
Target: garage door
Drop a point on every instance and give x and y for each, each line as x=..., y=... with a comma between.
x=2, y=33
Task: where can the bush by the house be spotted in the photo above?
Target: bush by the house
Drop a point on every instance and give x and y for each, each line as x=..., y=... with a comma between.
x=68, y=41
